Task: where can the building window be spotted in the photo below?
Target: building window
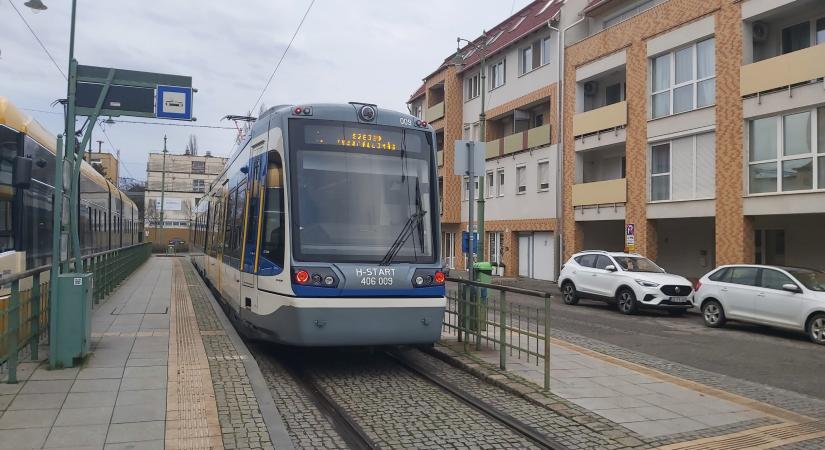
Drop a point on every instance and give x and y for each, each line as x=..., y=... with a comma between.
x=198, y=186
x=491, y=184
x=198, y=166
x=683, y=169
x=628, y=13
x=785, y=154
x=473, y=87
x=534, y=56
x=500, y=186
x=521, y=179
x=545, y=51
x=467, y=132
x=497, y=75
x=684, y=79
x=466, y=193
x=660, y=172
x=419, y=111
x=544, y=175
x=441, y=195
x=538, y=120
x=526, y=59
x=613, y=94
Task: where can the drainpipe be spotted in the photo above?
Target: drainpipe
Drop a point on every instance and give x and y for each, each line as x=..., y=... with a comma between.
x=559, y=232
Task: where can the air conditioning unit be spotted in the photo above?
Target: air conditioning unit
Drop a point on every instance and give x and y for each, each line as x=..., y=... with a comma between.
x=760, y=31
x=590, y=88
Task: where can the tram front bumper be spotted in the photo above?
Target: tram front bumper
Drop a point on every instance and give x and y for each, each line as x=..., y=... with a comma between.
x=352, y=326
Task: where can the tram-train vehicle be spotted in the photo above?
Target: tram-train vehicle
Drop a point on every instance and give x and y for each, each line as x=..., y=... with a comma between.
x=108, y=219
x=322, y=229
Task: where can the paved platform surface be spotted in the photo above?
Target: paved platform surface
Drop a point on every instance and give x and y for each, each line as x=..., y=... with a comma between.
x=662, y=409
x=155, y=378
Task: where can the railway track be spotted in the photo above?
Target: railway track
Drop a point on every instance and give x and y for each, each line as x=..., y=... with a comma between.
x=352, y=419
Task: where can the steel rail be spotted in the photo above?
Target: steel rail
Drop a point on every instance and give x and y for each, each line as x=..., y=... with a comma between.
x=497, y=415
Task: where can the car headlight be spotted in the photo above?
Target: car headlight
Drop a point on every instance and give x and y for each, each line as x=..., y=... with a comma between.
x=646, y=283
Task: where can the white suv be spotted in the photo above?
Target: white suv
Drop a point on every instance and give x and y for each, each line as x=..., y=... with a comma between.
x=632, y=281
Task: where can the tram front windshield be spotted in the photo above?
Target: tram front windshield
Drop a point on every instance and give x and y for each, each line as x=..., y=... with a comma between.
x=358, y=191
x=8, y=150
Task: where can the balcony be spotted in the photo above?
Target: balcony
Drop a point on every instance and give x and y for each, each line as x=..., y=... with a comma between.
x=604, y=118
x=785, y=70
x=435, y=112
x=513, y=143
x=600, y=193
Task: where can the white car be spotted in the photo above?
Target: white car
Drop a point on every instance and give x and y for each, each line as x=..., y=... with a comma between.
x=632, y=281
x=784, y=297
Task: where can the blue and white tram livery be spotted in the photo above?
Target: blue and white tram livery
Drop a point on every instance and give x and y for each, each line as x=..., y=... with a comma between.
x=322, y=229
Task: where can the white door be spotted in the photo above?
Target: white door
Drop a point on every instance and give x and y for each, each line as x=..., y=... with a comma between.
x=449, y=250
x=543, y=260
x=496, y=253
x=524, y=256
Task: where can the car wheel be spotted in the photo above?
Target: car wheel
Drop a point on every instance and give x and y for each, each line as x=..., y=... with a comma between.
x=816, y=329
x=569, y=294
x=713, y=314
x=627, y=301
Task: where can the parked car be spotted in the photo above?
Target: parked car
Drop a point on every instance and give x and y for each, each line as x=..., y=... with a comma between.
x=632, y=281
x=784, y=297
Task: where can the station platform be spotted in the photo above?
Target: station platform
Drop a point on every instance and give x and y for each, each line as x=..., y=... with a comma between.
x=166, y=370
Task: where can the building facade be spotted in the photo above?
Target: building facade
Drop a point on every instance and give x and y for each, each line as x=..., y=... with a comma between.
x=107, y=162
x=187, y=180
x=518, y=81
x=695, y=131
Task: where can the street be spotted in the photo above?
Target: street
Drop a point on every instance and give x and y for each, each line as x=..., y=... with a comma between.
x=749, y=352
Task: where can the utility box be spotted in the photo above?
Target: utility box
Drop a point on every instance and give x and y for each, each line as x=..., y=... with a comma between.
x=72, y=317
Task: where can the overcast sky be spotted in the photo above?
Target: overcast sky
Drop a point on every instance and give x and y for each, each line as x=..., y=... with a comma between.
x=347, y=50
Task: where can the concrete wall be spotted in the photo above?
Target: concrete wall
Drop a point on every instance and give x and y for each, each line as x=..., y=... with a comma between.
x=686, y=246
x=804, y=245
x=603, y=235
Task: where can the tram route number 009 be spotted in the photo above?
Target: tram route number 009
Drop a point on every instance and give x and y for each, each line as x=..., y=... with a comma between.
x=378, y=276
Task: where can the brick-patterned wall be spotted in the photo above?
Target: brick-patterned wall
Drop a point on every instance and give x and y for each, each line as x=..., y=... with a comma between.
x=451, y=123
x=548, y=93
x=732, y=229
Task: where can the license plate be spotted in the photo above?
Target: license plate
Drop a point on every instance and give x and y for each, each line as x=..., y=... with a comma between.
x=679, y=299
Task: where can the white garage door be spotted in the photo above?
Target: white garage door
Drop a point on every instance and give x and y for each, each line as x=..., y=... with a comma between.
x=543, y=259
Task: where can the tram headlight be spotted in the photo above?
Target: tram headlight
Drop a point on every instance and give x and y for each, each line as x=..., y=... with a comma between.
x=419, y=280
x=322, y=277
x=316, y=279
x=302, y=276
x=329, y=280
x=439, y=277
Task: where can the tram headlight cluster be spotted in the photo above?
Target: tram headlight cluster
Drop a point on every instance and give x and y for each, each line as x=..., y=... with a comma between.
x=315, y=276
x=428, y=277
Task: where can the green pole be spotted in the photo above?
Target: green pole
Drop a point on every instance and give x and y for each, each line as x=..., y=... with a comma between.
x=162, y=187
x=57, y=228
x=482, y=119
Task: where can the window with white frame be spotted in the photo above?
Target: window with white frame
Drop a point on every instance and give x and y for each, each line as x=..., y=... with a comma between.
x=628, y=13
x=521, y=179
x=198, y=186
x=544, y=175
x=467, y=134
x=419, y=111
x=683, y=168
x=441, y=195
x=684, y=79
x=500, y=185
x=465, y=194
x=545, y=51
x=198, y=166
x=473, y=87
x=535, y=55
x=786, y=153
x=491, y=183
x=497, y=74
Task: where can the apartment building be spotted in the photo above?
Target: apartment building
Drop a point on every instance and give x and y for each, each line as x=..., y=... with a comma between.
x=107, y=162
x=518, y=81
x=187, y=179
x=694, y=131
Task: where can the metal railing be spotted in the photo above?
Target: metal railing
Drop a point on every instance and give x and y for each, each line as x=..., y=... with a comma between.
x=480, y=319
x=25, y=300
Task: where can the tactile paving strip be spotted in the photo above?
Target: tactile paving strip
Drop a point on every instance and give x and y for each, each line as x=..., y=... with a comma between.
x=761, y=438
x=191, y=411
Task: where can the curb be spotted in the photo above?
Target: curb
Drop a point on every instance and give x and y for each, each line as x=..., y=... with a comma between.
x=272, y=418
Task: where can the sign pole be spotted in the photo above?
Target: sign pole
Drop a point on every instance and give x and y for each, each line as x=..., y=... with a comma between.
x=163, y=186
x=471, y=174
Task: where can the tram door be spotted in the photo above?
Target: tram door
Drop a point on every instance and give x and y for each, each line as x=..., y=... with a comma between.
x=255, y=193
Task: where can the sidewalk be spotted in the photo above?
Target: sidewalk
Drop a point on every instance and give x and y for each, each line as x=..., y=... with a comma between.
x=662, y=410
x=154, y=379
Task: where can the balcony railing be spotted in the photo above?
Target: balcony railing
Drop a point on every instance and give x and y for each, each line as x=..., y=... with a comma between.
x=513, y=143
x=539, y=136
x=435, y=112
x=785, y=70
x=600, y=192
x=493, y=149
x=604, y=118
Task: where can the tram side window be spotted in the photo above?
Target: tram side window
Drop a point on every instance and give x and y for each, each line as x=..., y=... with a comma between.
x=228, y=235
x=240, y=204
x=272, y=248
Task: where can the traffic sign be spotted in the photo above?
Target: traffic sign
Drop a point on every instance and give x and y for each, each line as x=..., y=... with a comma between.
x=465, y=242
x=174, y=102
x=462, y=158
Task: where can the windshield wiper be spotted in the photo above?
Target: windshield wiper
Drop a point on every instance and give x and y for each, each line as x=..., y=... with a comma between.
x=413, y=223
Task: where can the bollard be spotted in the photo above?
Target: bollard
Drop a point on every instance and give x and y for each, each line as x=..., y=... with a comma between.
x=502, y=331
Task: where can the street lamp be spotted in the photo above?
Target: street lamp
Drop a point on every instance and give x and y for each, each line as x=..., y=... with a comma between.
x=458, y=60
x=36, y=5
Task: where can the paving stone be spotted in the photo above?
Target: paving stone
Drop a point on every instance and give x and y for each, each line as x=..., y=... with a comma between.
x=43, y=373
x=37, y=401
x=77, y=436
x=135, y=432
x=98, y=415
x=90, y=399
x=104, y=385
x=23, y=438
x=139, y=413
x=95, y=373
x=28, y=418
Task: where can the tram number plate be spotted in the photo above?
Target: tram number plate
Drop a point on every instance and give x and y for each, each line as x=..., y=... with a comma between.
x=375, y=276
